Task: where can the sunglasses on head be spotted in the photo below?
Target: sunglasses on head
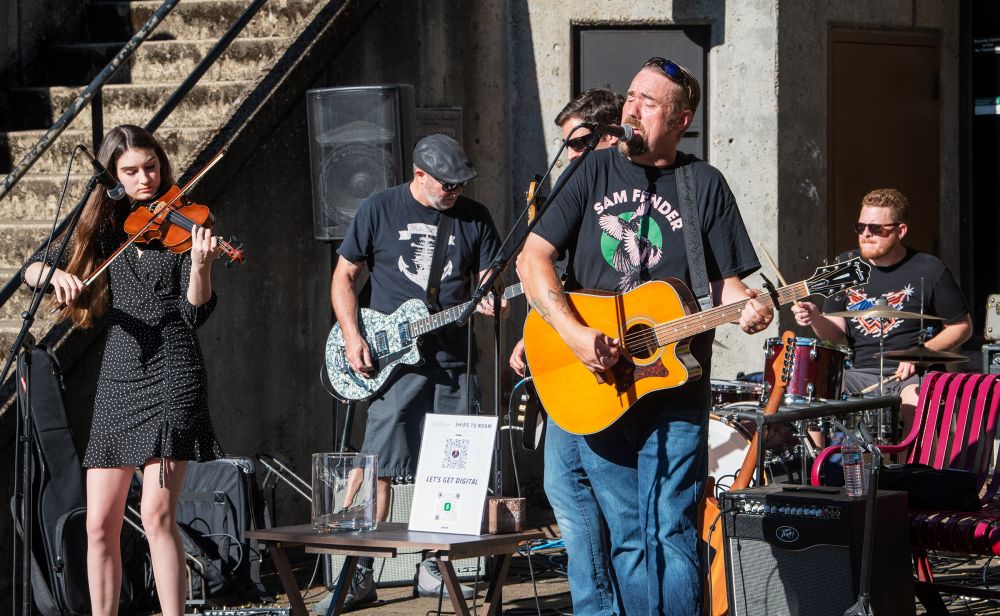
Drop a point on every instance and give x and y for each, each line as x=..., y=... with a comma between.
x=671, y=69
x=875, y=228
x=449, y=187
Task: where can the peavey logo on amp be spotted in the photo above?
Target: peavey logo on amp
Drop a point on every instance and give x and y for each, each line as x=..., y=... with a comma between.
x=787, y=534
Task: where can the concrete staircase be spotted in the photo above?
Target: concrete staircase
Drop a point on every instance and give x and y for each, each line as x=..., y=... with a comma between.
x=135, y=94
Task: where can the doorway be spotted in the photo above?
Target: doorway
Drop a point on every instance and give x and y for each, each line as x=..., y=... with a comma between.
x=884, y=121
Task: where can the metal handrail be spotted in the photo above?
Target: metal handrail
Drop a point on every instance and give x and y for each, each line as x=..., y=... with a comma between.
x=203, y=66
x=93, y=92
x=84, y=97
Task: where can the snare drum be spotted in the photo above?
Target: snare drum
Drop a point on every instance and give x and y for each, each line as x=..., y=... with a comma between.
x=726, y=392
x=818, y=371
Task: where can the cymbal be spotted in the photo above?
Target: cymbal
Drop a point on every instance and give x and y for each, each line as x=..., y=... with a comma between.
x=882, y=312
x=923, y=355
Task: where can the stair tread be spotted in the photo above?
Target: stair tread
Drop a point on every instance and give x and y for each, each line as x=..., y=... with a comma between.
x=135, y=86
x=166, y=43
x=84, y=132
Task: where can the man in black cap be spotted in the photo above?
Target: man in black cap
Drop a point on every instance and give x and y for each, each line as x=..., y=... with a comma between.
x=394, y=234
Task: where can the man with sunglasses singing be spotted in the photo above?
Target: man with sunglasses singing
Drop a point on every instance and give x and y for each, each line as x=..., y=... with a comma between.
x=906, y=280
x=395, y=235
x=622, y=217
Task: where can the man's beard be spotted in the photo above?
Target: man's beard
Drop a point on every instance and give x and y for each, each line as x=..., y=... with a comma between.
x=634, y=146
x=869, y=251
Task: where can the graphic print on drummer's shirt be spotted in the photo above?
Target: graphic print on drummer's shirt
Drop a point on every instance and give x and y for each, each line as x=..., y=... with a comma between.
x=857, y=299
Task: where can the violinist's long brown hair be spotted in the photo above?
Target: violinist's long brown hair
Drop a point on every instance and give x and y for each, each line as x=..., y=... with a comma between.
x=102, y=212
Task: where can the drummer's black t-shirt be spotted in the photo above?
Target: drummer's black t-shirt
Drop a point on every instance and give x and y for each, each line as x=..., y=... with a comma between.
x=900, y=285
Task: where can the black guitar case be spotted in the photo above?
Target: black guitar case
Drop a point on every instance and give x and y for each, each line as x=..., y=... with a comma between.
x=59, y=533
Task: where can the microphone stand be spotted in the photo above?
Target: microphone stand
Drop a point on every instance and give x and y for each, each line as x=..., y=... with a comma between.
x=509, y=248
x=863, y=606
x=21, y=348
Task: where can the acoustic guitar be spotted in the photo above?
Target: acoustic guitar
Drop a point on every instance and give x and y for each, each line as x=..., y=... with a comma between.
x=716, y=601
x=655, y=323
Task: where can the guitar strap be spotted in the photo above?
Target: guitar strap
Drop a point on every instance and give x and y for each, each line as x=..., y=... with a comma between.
x=437, y=261
x=693, y=245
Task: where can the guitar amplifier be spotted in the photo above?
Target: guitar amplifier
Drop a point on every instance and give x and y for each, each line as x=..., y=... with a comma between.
x=400, y=571
x=796, y=551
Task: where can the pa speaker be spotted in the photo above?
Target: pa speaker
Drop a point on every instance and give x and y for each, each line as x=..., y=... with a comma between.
x=794, y=552
x=360, y=143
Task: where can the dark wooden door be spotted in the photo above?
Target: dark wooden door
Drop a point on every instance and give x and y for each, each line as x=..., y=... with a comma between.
x=883, y=129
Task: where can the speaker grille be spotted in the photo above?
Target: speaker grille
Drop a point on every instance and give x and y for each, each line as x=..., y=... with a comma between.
x=360, y=140
x=770, y=580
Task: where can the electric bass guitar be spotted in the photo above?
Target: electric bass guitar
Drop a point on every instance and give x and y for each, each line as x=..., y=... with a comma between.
x=710, y=530
x=393, y=342
x=655, y=323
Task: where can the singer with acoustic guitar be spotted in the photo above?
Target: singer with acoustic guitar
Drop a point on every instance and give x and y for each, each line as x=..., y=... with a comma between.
x=622, y=217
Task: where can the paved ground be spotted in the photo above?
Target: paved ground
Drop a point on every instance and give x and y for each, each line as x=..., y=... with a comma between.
x=544, y=581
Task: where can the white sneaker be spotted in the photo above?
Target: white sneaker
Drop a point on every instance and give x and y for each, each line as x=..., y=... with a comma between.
x=428, y=582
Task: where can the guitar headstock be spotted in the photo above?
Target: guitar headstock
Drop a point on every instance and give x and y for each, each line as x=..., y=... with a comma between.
x=785, y=361
x=830, y=279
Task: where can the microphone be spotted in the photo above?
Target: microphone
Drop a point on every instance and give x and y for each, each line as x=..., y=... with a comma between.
x=114, y=188
x=623, y=132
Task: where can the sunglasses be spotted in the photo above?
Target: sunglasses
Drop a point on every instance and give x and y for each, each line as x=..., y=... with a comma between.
x=450, y=187
x=875, y=228
x=671, y=69
x=578, y=144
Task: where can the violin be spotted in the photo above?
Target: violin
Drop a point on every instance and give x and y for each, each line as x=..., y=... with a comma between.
x=170, y=219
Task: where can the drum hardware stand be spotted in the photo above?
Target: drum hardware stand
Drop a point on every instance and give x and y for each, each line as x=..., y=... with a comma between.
x=863, y=606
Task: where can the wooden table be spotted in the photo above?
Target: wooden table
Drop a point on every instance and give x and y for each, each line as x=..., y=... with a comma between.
x=386, y=542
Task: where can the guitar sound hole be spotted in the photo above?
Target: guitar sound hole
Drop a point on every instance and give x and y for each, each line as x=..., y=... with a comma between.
x=641, y=341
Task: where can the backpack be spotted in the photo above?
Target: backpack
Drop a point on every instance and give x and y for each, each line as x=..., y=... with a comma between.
x=219, y=502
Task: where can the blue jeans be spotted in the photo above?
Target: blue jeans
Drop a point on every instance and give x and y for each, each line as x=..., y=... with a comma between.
x=580, y=523
x=648, y=471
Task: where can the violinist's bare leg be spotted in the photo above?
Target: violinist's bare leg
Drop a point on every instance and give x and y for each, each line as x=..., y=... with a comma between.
x=159, y=521
x=107, y=489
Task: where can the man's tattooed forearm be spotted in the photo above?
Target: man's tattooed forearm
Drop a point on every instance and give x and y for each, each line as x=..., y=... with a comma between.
x=554, y=299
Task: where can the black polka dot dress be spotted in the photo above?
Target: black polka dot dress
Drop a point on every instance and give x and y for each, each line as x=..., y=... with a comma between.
x=151, y=392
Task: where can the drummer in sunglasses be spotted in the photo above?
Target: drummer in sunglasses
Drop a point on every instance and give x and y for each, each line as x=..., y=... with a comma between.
x=904, y=279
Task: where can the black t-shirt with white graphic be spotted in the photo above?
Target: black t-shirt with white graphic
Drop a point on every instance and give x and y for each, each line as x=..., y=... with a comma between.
x=900, y=284
x=622, y=225
x=394, y=235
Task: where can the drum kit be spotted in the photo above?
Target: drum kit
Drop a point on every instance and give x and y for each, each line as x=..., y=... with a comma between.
x=817, y=378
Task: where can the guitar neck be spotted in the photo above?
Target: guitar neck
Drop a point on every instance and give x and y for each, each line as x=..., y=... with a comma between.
x=688, y=326
x=450, y=315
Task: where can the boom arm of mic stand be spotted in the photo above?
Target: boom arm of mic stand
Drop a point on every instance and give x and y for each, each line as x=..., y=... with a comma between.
x=503, y=257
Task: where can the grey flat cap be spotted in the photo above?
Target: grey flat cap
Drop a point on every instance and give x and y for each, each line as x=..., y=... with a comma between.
x=443, y=158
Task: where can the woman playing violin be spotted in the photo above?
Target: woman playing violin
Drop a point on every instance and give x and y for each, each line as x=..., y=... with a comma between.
x=150, y=408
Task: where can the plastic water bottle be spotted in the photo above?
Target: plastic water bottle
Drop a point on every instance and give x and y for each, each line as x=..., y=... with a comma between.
x=854, y=467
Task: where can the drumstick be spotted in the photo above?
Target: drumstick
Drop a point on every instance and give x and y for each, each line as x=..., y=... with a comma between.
x=874, y=386
x=774, y=266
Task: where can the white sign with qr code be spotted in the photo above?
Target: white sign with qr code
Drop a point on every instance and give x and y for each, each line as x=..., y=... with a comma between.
x=449, y=494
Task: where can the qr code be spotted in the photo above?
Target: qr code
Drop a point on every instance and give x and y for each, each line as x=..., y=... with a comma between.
x=447, y=506
x=456, y=453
